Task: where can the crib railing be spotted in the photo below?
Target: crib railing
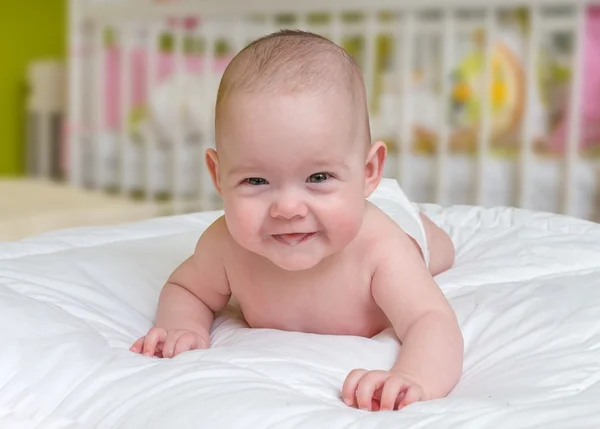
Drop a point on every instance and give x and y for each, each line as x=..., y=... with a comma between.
x=143, y=80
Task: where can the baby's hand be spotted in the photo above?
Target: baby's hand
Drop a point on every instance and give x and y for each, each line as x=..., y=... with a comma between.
x=169, y=343
x=380, y=390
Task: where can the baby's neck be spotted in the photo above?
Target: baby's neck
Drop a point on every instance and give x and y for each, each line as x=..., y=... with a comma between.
x=323, y=265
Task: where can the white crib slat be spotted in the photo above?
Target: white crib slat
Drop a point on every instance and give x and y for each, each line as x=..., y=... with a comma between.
x=370, y=39
x=428, y=65
x=178, y=147
x=270, y=25
x=406, y=44
x=206, y=187
x=485, y=123
x=239, y=31
x=125, y=104
x=304, y=24
x=149, y=134
x=75, y=101
x=45, y=151
x=336, y=27
x=443, y=142
x=572, y=157
x=526, y=152
x=98, y=105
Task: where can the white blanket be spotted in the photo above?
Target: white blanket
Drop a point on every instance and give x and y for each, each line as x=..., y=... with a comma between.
x=526, y=288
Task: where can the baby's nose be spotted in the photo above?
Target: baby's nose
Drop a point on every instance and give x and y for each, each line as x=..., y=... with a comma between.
x=288, y=206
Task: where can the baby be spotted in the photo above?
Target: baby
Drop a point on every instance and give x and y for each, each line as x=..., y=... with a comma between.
x=300, y=246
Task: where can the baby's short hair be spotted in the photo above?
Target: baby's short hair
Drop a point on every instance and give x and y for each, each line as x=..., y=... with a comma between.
x=291, y=61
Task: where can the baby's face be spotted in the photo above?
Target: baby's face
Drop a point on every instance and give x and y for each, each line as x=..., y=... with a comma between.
x=291, y=171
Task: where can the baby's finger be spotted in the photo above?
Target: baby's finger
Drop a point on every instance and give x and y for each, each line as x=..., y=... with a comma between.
x=185, y=343
x=154, y=336
x=138, y=345
x=350, y=385
x=413, y=394
x=169, y=345
x=392, y=389
x=202, y=342
x=159, y=352
x=367, y=386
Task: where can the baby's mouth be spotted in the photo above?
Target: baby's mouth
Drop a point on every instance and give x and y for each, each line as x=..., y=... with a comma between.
x=293, y=239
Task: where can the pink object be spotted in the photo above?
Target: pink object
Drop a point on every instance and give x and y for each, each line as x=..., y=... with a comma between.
x=189, y=23
x=590, y=97
x=139, y=60
x=165, y=64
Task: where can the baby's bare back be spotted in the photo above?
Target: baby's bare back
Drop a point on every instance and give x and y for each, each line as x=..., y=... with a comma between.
x=333, y=298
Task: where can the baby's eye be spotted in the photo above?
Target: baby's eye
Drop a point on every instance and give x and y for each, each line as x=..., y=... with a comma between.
x=256, y=181
x=318, y=177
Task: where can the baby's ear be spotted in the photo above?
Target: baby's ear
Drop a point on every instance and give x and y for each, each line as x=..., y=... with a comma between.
x=374, y=166
x=212, y=162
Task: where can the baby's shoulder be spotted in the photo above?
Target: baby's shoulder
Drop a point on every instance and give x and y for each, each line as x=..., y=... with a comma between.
x=378, y=225
x=215, y=238
x=381, y=234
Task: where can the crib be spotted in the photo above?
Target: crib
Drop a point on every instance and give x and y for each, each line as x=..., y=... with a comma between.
x=481, y=103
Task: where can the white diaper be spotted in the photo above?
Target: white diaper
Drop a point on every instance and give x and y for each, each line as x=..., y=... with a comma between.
x=392, y=200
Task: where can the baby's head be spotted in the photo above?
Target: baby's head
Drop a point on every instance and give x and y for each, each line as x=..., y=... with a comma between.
x=294, y=160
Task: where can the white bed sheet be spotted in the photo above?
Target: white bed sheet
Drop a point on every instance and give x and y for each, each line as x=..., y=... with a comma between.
x=526, y=288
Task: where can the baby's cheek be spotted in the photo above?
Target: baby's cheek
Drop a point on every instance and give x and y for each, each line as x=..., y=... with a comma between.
x=345, y=224
x=243, y=221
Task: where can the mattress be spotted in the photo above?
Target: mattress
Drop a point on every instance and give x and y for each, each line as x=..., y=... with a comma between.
x=525, y=287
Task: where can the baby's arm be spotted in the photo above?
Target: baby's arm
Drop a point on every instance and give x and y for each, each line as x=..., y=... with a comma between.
x=193, y=293
x=430, y=362
x=432, y=343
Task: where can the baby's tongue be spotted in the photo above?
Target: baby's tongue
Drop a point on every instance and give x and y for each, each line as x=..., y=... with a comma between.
x=291, y=238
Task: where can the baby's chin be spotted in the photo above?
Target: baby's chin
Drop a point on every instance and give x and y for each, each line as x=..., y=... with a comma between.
x=299, y=260
x=295, y=262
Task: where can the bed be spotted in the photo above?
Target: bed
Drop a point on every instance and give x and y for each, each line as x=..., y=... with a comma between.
x=525, y=286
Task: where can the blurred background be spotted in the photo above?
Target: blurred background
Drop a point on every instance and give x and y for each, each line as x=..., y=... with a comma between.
x=33, y=87
x=105, y=105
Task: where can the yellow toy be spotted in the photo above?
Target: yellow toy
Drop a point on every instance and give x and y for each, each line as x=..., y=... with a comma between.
x=506, y=94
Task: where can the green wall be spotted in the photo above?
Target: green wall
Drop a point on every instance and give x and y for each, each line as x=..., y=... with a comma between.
x=29, y=30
